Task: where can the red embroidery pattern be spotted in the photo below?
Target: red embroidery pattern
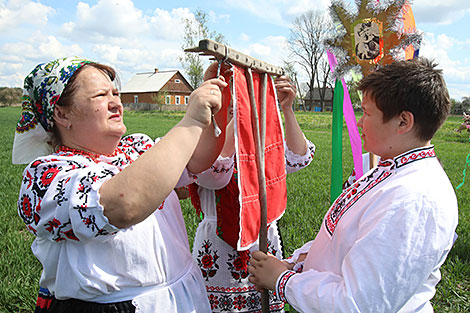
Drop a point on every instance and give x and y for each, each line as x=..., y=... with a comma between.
x=237, y=299
x=349, y=197
x=281, y=286
x=237, y=265
x=415, y=155
x=353, y=193
x=207, y=260
x=230, y=289
x=50, y=176
x=306, y=162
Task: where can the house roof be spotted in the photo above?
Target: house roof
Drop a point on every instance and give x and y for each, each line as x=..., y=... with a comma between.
x=316, y=94
x=148, y=82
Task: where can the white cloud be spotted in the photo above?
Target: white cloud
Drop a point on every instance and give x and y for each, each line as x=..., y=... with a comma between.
x=107, y=19
x=298, y=7
x=13, y=80
x=10, y=76
x=130, y=41
x=244, y=37
x=168, y=25
x=441, y=12
x=217, y=18
x=456, y=71
x=20, y=12
x=278, y=12
x=272, y=49
x=33, y=49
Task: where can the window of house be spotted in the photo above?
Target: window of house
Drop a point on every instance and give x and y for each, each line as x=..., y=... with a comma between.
x=167, y=99
x=177, y=100
x=186, y=100
x=136, y=99
x=177, y=81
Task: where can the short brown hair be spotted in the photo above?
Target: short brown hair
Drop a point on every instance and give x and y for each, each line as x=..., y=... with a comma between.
x=415, y=86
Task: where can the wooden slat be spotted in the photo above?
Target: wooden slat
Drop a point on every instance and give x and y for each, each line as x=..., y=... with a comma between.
x=221, y=51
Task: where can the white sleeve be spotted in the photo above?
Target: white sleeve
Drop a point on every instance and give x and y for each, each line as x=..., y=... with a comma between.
x=59, y=199
x=376, y=275
x=295, y=162
x=218, y=175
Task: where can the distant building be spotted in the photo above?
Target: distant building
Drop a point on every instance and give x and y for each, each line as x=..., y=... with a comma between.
x=312, y=101
x=169, y=88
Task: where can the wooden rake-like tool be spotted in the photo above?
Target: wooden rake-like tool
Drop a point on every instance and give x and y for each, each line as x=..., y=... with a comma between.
x=223, y=52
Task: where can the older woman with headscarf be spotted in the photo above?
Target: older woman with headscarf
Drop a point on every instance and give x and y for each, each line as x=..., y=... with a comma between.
x=108, y=225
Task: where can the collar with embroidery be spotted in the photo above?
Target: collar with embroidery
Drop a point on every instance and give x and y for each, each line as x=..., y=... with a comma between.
x=409, y=157
x=90, y=155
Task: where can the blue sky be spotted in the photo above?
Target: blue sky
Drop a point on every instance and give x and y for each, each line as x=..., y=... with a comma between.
x=139, y=35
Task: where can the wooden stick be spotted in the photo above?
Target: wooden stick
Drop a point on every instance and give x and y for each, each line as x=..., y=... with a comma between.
x=221, y=51
x=263, y=235
x=259, y=136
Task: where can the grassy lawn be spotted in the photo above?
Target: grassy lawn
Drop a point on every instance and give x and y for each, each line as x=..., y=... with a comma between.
x=308, y=200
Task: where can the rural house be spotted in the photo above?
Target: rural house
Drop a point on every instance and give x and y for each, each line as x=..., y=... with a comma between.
x=313, y=101
x=168, y=88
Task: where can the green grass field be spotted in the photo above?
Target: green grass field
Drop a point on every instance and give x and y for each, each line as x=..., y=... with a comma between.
x=308, y=200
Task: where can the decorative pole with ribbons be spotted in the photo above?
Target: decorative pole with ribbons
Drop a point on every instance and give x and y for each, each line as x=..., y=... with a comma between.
x=375, y=36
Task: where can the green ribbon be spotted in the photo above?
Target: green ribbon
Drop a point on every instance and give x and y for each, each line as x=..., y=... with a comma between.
x=467, y=163
x=337, y=142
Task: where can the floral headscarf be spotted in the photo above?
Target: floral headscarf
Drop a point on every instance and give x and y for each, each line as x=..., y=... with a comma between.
x=42, y=90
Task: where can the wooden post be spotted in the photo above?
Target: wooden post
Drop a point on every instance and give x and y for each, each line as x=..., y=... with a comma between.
x=259, y=133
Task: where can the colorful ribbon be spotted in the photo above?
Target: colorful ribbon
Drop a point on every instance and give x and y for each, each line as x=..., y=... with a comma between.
x=336, y=142
x=343, y=101
x=467, y=163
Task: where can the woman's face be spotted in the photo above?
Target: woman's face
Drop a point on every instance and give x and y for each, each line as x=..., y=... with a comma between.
x=96, y=113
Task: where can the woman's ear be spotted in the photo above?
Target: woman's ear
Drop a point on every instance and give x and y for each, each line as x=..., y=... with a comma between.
x=406, y=122
x=62, y=116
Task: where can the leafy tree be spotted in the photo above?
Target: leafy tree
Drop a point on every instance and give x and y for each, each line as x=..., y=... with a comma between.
x=353, y=94
x=458, y=107
x=160, y=98
x=466, y=104
x=195, y=30
x=9, y=96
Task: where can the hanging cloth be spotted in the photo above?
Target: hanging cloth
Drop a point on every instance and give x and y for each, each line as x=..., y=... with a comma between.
x=237, y=204
x=275, y=166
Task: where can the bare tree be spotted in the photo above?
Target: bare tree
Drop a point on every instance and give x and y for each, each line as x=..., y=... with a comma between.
x=324, y=80
x=306, y=44
x=195, y=30
x=290, y=71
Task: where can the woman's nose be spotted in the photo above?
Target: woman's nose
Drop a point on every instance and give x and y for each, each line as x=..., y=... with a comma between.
x=115, y=102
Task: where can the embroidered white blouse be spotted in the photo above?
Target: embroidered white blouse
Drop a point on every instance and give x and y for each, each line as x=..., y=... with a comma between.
x=87, y=258
x=226, y=280
x=382, y=242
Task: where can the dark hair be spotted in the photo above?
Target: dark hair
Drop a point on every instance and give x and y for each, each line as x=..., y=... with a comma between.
x=66, y=98
x=413, y=85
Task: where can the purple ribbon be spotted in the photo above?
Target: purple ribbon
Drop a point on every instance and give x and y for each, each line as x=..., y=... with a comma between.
x=350, y=118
